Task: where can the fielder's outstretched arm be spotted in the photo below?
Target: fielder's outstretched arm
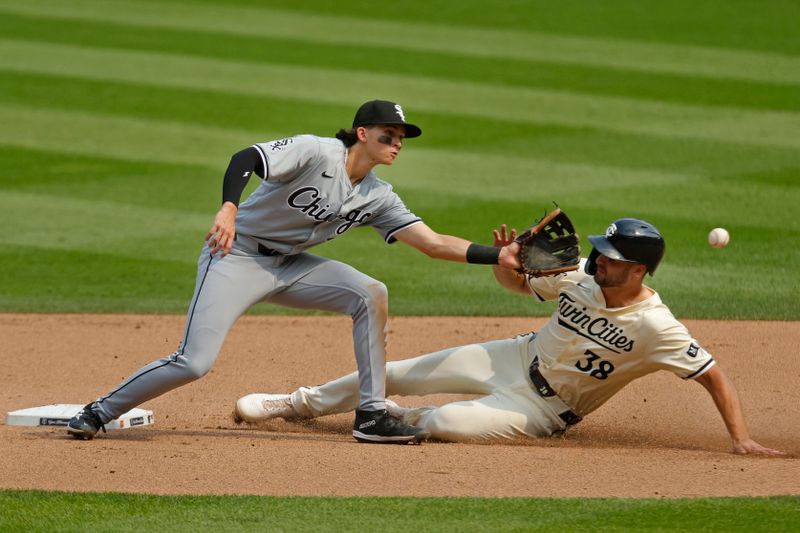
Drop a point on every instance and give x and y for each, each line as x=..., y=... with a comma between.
x=450, y=248
x=727, y=401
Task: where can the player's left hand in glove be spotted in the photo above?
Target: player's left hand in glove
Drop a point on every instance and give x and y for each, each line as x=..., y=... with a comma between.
x=550, y=247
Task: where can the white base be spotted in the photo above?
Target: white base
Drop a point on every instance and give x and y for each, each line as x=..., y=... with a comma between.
x=59, y=414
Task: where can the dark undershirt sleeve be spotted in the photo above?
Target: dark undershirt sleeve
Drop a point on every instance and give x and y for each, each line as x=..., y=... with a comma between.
x=242, y=165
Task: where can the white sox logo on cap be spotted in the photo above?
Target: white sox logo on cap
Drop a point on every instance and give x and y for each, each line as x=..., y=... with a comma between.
x=377, y=112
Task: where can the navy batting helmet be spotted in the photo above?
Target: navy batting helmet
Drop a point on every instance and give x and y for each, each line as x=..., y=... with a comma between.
x=628, y=239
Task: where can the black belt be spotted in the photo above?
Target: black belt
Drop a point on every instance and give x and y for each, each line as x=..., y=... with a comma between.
x=263, y=250
x=545, y=390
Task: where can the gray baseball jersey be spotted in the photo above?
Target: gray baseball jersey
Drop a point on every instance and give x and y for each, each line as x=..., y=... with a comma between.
x=305, y=199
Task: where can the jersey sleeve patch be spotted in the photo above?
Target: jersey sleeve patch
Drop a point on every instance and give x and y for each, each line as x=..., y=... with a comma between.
x=286, y=159
x=693, y=350
x=277, y=146
x=695, y=355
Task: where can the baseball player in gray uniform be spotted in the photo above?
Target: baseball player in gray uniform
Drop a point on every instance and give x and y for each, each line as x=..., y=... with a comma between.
x=609, y=329
x=313, y=190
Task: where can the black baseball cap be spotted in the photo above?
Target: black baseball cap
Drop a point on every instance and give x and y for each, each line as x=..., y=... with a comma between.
x=377, y=112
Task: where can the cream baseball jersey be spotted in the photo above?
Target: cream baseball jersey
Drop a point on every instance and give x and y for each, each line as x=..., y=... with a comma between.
x=307, y=198
x=588, y=352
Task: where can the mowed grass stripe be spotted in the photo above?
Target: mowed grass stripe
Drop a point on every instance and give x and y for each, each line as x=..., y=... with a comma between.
x=453, y=174
x=467, y=41
x=739, y=24
x=58, y=223
x=124, y=138
x=573, y=78
x=37, y=279
x=726, y=203
x=179, y=187
x=265, y=117
x=345, y=87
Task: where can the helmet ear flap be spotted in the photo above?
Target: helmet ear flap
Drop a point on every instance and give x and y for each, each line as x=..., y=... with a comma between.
x=591, y=263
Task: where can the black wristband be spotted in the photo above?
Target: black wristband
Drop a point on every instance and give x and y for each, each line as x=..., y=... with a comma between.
x=483, y=255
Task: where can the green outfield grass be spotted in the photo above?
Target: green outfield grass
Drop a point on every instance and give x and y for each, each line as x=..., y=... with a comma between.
x=121, y=116
x=51, y=511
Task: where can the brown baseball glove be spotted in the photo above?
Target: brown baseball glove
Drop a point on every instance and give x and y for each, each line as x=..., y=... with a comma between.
x=550, y=247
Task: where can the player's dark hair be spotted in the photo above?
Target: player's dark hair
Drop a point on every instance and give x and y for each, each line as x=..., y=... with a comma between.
x=348, y=137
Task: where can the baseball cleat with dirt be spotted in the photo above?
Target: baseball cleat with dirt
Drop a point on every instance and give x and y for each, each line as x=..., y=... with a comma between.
x=380, y=427
x=258, y=407
x=85, y=424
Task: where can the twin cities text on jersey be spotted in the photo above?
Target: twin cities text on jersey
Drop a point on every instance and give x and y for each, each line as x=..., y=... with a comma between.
x=600, y=330
x=309, y=200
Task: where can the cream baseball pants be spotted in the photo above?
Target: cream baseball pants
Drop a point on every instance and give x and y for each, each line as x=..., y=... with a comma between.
x=508, y=408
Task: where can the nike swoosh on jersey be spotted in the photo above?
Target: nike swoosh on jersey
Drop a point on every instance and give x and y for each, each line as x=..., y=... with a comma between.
x=326, y=175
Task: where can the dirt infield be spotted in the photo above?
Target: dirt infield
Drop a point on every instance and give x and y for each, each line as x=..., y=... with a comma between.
x=660, y=437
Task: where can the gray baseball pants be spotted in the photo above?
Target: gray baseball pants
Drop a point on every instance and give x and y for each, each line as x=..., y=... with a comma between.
x=227, y=287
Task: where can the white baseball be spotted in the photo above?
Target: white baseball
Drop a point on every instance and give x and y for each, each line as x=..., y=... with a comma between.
x=719, y=237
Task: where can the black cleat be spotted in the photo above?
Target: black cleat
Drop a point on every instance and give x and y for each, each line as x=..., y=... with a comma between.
x=85, y=424
x=381, y=427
